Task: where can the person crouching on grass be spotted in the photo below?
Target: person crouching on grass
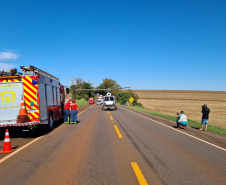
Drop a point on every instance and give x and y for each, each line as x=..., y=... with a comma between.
x=74, y=111
x=182, y=120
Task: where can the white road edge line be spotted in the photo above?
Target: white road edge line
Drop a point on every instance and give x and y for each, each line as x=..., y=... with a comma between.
x=12, y=154
x=25, y=146
x=178, y=130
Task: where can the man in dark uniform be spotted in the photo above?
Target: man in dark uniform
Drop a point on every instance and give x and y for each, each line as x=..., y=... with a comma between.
x=205, y=116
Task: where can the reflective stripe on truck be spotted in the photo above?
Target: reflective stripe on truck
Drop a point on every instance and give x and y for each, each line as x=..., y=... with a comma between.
x=31, y=95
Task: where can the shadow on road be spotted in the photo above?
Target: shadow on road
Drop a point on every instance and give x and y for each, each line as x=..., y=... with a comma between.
x=16, y=132
x=108, y=109
x=15, y=147
x=73, y=123
x=197, y=128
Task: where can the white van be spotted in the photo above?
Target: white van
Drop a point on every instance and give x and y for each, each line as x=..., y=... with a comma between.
x=101, y=99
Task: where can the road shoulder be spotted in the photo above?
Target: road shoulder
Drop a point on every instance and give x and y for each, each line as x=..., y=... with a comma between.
x=216, y=139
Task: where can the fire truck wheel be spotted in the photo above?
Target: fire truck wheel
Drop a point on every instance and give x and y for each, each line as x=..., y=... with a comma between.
x=51, y=122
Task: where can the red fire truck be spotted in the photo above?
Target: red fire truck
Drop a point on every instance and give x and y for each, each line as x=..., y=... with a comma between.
x=91, y=100
x=42, y=93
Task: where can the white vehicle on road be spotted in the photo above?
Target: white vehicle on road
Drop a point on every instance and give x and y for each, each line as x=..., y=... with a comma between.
x=100, y=99
x=109, y=101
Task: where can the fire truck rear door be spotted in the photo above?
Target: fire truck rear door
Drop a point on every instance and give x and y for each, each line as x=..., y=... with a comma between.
x=10, y=99
x=42, y=98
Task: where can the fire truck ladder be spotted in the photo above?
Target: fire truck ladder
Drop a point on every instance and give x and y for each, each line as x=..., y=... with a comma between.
x=31, y=69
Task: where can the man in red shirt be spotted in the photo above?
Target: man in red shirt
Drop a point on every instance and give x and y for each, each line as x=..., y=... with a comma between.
x=74, y=111
x=67, y=111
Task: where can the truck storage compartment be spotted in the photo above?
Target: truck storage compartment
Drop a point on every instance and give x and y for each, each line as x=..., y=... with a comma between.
x=10, y=99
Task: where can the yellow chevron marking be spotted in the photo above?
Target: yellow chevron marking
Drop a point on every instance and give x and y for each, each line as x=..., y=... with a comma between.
x=33, y=107
x=28, y=103
x=13, y=80
x=29, y=79
x=34, y=115
x=27, y=96
x=34, y=95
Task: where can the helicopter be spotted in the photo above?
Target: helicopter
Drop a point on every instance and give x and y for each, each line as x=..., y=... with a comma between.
x=109, y=101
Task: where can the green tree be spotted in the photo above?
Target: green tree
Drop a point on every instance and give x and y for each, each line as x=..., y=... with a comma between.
x=86, y=93
x=77, y=87
x=109, y=84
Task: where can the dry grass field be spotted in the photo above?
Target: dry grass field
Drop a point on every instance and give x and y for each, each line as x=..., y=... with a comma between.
x=170, y=102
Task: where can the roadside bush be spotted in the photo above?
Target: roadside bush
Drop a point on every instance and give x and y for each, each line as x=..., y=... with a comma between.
x=86, y=97
x=77, y=97
x=125, y=96
x=140, y=105
x=122, y=96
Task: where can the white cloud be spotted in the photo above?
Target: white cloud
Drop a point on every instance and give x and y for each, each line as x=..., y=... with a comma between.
x=8, y=55
x=6, y=67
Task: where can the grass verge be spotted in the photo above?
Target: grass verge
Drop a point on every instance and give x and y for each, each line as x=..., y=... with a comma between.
x=82, y=102
x=194, y=124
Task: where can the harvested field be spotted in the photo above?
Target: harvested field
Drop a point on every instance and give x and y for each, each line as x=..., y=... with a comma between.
x=170, y=102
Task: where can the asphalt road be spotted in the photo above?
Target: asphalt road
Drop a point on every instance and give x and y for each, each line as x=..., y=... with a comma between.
x=114, y=147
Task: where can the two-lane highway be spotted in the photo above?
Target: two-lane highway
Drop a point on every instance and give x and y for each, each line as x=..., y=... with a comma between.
x=115, y=147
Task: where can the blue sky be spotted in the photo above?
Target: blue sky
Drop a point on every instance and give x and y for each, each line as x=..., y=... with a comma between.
x=142, y=44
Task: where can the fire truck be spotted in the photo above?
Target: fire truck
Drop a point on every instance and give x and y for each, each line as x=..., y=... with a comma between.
x=41, y=92
x=91, y=100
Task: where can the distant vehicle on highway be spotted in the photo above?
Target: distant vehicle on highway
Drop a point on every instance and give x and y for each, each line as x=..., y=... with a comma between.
x=91, y=100
x=101, y=99
x=99, y=102
x=109, y=101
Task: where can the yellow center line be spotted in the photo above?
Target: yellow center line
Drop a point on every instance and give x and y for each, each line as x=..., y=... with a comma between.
x=111, y=118
x=108, y=112
x=139, y=174
x=117, y=130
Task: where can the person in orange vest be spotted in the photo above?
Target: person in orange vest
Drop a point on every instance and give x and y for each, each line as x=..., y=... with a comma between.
x=67, y=112
x=74, y=112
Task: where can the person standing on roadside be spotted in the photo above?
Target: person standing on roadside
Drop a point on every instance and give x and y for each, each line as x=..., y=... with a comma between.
x=74, y=112
x=205, y=116
x=67, y=112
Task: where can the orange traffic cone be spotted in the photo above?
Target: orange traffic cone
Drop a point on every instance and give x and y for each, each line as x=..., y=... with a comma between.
x=7, y=144
x=22, y=107
x=23, y=116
